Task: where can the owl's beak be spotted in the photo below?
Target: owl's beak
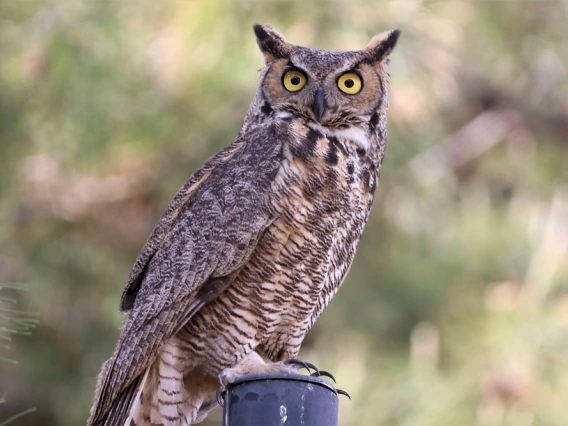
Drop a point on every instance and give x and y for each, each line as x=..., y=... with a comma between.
x=319, y=104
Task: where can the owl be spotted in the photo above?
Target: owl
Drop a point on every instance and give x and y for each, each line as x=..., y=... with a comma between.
x=257, y=242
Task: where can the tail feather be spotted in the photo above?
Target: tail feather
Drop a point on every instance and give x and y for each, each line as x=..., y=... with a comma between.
x=164, y=394
x=120, y=409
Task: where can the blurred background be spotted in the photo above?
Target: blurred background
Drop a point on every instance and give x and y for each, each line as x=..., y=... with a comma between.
x=455, y=311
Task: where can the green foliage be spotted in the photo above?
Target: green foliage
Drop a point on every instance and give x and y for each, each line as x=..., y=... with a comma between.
x=454, y=311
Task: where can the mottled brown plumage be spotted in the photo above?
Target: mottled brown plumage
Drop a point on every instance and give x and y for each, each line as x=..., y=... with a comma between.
x=256, y=243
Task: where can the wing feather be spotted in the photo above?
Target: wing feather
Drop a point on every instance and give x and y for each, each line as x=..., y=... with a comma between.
x=205, y=237
x=166, y=222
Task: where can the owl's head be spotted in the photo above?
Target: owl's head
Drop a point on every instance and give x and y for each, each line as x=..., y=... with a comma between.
x=333, y=89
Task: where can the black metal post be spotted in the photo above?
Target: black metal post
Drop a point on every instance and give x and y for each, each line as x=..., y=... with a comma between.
x=280, y=399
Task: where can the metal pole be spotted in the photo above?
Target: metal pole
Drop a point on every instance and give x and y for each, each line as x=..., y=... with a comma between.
x=280, y=399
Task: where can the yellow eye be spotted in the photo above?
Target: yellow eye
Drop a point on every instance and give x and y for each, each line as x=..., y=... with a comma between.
x=349, y=83
x=293, y=80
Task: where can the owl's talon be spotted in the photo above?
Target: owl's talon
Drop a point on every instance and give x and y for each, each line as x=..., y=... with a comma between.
x=221, y=396
x=342, y=392
x=220, y=377
x=312, y=366
x=222, y=386
x=302, y=364
x=323, y=373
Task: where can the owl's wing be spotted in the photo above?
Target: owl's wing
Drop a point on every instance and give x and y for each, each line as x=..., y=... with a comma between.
x=206, y=236
x=168, y=219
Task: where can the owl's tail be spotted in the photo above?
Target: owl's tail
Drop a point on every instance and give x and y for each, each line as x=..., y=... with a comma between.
x=165, y=396
x=120, y=408
x=137, y=410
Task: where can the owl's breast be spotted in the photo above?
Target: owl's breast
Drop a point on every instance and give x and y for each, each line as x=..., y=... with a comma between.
x=321, y=199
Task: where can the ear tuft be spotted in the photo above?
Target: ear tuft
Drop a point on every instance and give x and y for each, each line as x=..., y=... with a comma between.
x=272, y=44
x=383, y=44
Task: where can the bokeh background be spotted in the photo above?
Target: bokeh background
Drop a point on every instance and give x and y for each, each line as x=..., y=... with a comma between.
x=455, y=311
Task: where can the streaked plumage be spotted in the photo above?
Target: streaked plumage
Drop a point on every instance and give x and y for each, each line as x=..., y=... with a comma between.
x=255, y=244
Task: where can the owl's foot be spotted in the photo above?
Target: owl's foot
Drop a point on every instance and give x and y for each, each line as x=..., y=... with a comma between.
x=253, y=363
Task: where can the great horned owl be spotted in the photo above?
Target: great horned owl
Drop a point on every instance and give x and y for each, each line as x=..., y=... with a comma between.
x=257, y=242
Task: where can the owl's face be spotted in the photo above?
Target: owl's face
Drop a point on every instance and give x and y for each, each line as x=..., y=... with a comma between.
x=334, y=89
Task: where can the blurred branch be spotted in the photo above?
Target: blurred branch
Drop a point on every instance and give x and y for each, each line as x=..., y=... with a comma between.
x=538, y=114
x=471, y=141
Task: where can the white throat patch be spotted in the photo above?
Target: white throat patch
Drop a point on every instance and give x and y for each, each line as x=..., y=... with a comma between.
x=355, y=134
